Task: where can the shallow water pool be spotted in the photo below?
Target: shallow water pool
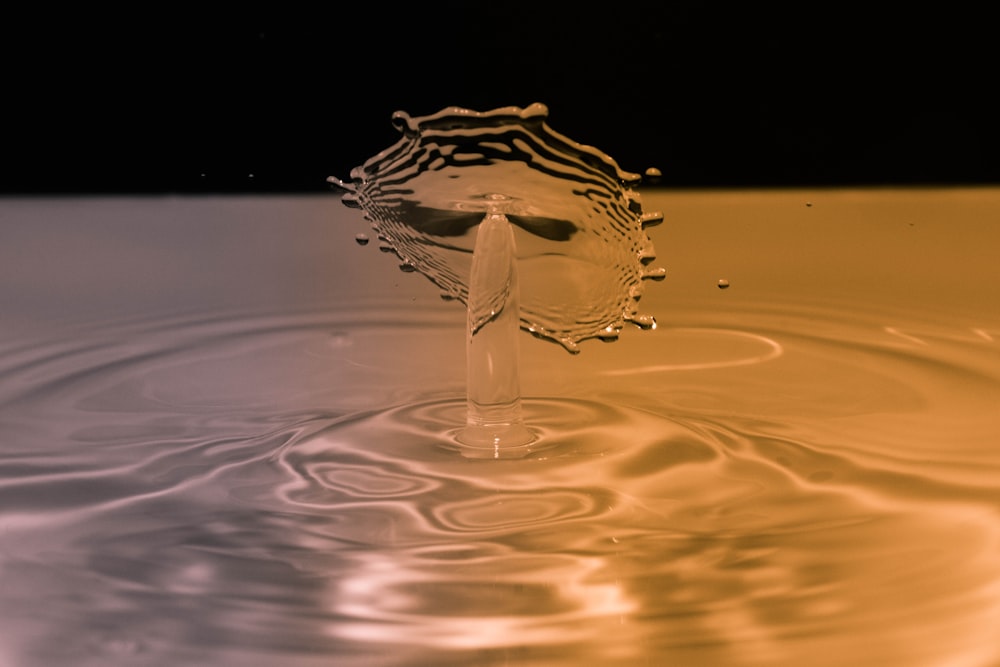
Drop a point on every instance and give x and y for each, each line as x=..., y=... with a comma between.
x=226, y=438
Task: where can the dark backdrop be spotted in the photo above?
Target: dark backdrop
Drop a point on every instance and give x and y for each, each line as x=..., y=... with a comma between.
x=174, y=100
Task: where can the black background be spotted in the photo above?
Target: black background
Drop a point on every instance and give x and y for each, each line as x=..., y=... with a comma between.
x=274, y=100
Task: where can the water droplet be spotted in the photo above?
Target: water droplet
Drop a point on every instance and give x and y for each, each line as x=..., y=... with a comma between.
x=407, y=267
x=723, y=283
x=610, y=334
x=809, y=204
x=652, y=175
x=339, y=184
x=361, y=239
x=644, y=321
x=651, y=219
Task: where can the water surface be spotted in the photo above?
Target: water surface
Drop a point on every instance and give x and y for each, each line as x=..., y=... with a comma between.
x=225, y=439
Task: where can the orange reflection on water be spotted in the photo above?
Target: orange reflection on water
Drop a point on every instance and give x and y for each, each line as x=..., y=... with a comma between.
x=801, y=469
x=446, y=599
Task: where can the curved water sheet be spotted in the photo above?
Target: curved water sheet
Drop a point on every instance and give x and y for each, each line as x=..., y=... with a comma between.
x=582, y=249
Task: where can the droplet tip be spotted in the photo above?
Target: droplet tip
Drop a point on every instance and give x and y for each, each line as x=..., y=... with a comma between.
x=343, y=185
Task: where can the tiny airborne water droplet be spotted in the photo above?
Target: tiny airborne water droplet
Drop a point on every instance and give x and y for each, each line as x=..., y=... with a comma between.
x=723, y=283
x=361, y=239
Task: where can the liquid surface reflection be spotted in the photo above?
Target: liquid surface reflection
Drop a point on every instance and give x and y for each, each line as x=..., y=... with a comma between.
x=219, y=446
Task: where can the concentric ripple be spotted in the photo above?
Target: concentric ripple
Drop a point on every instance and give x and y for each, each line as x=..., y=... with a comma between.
x=290, y=486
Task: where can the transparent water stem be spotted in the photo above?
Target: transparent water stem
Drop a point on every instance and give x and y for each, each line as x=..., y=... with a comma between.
x=494, y=425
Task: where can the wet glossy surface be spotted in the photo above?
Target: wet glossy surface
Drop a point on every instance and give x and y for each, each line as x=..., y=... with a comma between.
x=582, y=249
x=226, y=438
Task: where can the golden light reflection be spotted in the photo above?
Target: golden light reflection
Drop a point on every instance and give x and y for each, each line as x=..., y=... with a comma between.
x=239, y=456
x=424, y=598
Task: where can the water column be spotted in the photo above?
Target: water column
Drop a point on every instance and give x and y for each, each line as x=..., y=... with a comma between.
x=494, y=423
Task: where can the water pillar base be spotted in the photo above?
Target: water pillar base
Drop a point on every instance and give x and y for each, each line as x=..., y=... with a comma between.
x=496, y=441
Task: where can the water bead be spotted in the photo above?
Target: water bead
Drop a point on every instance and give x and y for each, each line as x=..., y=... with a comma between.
x=658, y=273
x=645, y=321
